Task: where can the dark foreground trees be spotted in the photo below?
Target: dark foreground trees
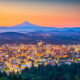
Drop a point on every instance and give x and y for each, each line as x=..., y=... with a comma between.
x=48, y=72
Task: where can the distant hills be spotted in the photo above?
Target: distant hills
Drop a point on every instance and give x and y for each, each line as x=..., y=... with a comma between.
x=12, y=35
x=30, y=33
x=35, y=37
x=28, y=27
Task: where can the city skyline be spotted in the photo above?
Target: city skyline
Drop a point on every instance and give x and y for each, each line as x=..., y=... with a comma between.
x=48, y=13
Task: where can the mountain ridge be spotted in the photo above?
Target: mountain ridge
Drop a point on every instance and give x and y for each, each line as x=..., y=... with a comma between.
x=28, y=27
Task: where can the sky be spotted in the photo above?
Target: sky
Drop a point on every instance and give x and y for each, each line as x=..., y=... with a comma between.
x=50, y=13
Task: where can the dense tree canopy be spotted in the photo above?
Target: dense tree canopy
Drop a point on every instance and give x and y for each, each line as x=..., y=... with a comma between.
x=48, y=72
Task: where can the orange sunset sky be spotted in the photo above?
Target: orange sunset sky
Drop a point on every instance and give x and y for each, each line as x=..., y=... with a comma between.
x=50, y=13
